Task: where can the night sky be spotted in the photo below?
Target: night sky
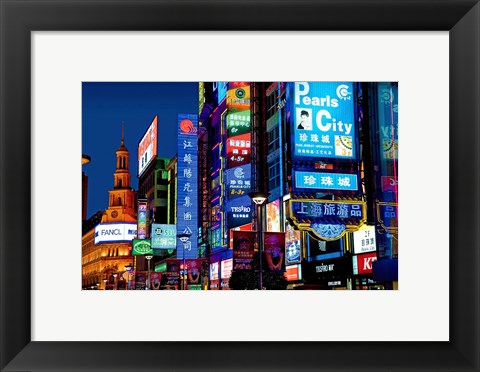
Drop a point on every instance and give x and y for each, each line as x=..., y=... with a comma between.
x=105, y=105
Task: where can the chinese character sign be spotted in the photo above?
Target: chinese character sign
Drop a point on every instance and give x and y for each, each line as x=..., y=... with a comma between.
x=164, y=236
x=238, y=181
x=326, y=210
x=238, y=150
x=323, y=120
x=187, y=177
x=326, y=181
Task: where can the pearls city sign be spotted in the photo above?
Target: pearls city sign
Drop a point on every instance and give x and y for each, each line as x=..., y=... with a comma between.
x=323, y=120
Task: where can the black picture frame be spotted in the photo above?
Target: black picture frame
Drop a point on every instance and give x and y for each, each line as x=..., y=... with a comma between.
x=18, y=18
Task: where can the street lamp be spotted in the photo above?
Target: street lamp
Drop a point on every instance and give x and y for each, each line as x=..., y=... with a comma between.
x=259, y=198
x=184, y=239
x=105, y=283
x=115, y=280
x=148, y=257
x=128, y=268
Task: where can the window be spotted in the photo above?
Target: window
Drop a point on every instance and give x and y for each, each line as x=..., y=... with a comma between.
x=274, y=174
x=272, y=103
x=273, y=139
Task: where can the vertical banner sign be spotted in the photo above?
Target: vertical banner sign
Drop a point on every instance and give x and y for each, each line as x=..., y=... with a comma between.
x=142, y=220
x=274, y=247
x=155, y=280
x=243, y=249
x=323, y=120
x=173, y=272
x=388, y=120
x=187, y=177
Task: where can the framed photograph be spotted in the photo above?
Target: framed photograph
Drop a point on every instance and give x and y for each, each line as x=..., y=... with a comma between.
x=54, y=55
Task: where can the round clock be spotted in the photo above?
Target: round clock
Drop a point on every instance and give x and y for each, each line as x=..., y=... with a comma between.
x=114, y=214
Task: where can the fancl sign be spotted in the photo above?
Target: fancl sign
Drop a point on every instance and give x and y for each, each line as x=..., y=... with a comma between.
x=115, y=232
x=323, y=120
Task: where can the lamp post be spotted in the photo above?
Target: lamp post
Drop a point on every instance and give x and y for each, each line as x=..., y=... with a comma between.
x=128, y=268
x=259, y=198
x=115, y=280
x=184, y=239
x=148, y=257
x=105, y=280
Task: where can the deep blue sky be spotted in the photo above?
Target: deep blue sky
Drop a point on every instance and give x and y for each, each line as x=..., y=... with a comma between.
x=105, y=105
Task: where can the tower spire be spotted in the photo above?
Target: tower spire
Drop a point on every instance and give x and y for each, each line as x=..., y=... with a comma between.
x=123, y=133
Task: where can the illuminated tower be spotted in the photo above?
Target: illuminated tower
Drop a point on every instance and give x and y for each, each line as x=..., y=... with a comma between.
x=122, y=198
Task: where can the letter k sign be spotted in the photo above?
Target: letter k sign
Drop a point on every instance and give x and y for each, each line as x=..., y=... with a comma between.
x=367, y=262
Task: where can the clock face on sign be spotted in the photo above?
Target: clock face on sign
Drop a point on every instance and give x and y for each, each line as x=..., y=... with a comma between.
x=114, y=214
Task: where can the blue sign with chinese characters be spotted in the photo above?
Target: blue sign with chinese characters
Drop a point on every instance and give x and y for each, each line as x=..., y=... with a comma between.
x=323, y=120
x=187, y=178
x=322, y=209
x=238, y=181
x=326, y=181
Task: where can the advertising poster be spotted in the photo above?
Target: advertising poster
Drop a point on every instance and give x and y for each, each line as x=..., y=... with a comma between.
x=292, y=245
x=273, y=216
x=155, y=280
x=226, y=267
x=173, y=272
x=147, y=147
x=194, y=271
x=187, y=178
x=243, y=249
x=164, y=236
x=140, y=280
x=238, y=150
x=324, y=120
x=274, y=250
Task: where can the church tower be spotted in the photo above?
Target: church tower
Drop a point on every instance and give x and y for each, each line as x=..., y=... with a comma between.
x=122, y=198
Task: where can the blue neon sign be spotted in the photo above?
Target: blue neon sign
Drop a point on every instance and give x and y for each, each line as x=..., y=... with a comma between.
x=323, y=120
x=326, y=181
x=187, y=177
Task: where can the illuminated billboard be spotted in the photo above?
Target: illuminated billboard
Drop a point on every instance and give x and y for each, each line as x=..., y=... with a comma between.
x=238, y=150
x=147, y=147
x=273, y=216
x=388, y=119
x=141, y=247
x=364, y=240
x=187, y=180
x=238, y=123
x=238, y=181
x=324, y=120
x=226, y=267
x=164, y=236
x=363, y=263
x=115, y=232
x=238, y=96
x=326, y=181
x=142, y=220
x=239, y=211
